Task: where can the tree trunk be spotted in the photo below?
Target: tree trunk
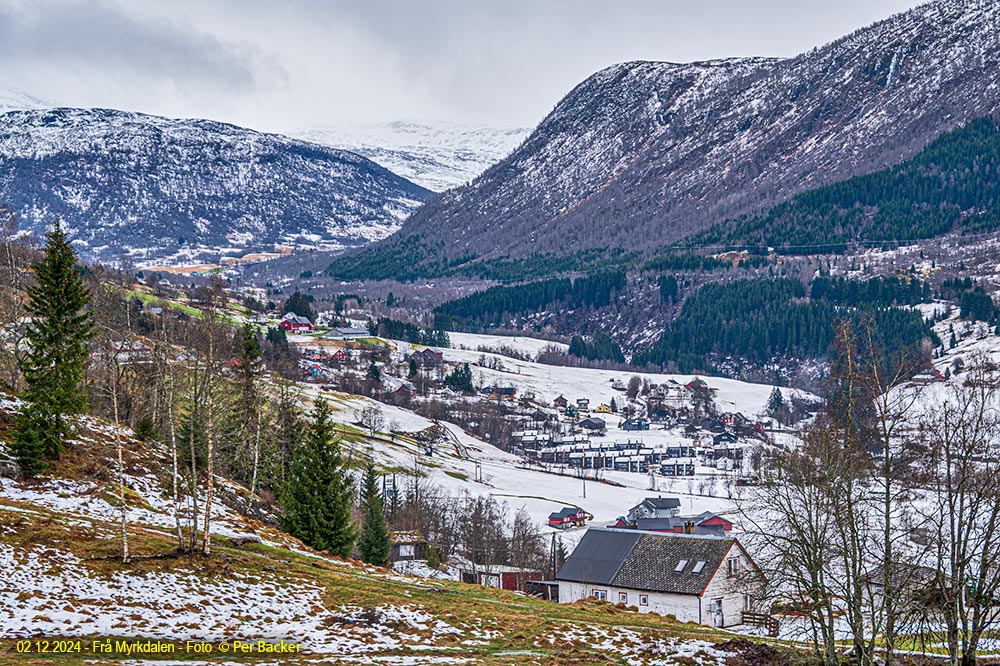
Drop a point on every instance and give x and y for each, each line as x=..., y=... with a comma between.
x=256, y=459
x=174, y=470
x=210, y=453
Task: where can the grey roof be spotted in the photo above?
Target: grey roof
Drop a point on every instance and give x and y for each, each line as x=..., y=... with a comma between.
x=657, y=524
x=663, y=502
x=645, y=561
x=565, y=511
x=337, y=332
x=598, y=556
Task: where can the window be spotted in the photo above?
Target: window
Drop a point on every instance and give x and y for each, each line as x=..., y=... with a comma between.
x=406, y=550
x=680, y=566
x=747, y=603
x=698, y=566
x=623, y=597
x=601, y=595
x=643, y=599
x=732, y=566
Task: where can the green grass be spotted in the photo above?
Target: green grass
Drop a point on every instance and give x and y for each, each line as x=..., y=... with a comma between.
x=523, y=623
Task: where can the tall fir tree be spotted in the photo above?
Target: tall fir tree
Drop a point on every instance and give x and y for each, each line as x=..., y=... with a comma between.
x=55, y=365
x=318, y=493
x=775, y=401
x=374, y=544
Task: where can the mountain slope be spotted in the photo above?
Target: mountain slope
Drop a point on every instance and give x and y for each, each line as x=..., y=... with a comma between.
x=645, y=154
x=152, y=187
x=438, y=156
x=950, y=184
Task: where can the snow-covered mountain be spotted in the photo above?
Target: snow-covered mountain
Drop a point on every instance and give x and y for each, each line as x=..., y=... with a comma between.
x=438, y=156
x=12, y=99
x=644, y=154
x=153, y=187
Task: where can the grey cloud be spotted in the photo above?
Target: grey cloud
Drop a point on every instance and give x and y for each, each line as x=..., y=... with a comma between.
x=105, y=40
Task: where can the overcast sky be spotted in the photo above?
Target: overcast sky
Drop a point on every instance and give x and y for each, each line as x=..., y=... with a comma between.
x=279, y=65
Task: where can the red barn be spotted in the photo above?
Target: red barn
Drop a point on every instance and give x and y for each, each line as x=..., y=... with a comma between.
x=296, y=324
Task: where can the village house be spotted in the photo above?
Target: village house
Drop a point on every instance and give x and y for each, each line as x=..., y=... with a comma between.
x=508, y=393
x=346, y=334
x=428, y=358
x=407, y=545
x=568, y=516
x=560, y=402
x=594, y=424
x=293, y=323
x=635, y=424
x=706, y=523
x=655, y=507
x=703, y=579
x=929, y=377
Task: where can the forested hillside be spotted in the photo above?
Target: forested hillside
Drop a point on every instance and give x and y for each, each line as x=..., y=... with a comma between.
x=760, y=319
x=491, y=306
x=952, y=184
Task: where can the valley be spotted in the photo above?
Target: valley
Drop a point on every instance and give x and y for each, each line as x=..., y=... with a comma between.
x=701, y=369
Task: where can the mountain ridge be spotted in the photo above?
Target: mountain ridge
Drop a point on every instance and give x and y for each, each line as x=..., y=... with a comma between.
x=127, y=183
x=755, y=137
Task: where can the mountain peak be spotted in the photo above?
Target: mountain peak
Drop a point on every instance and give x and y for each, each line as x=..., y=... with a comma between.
x=643, y=154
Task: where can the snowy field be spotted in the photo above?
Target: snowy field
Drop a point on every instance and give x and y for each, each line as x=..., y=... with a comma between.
x=543, y=490
x=523, y=344
x=549, y=381
x=533, y=488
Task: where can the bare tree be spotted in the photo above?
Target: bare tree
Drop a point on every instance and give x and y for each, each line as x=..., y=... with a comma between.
x=964, y=514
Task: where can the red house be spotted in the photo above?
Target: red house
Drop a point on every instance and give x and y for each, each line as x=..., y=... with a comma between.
x=568, y=516
x=293, y=323
x=428, y=358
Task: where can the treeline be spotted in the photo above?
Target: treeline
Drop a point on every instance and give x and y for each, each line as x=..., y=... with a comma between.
x=384, y=327
x=884, y=291
x=492, y=306
x=760, y=319
x=688, y=261
x=973, y=300
x=952, y=182
x=412, y=259
x=601, y=348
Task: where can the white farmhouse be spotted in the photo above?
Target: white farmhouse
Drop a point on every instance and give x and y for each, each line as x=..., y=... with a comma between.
x=703, y=579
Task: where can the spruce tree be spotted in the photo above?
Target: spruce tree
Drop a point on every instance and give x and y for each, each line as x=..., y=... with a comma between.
x=30, y=441
x=55, y=365
x=374, y=544
x=318, y=493
x=775, y=401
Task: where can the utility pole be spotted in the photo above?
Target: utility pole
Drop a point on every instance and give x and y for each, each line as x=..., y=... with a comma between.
x=552, y=556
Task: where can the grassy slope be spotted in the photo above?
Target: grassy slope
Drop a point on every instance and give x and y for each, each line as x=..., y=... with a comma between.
x=64, y=579
x=515, y=623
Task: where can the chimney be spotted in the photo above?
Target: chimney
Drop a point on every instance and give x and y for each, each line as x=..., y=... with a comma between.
x=689, y=527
